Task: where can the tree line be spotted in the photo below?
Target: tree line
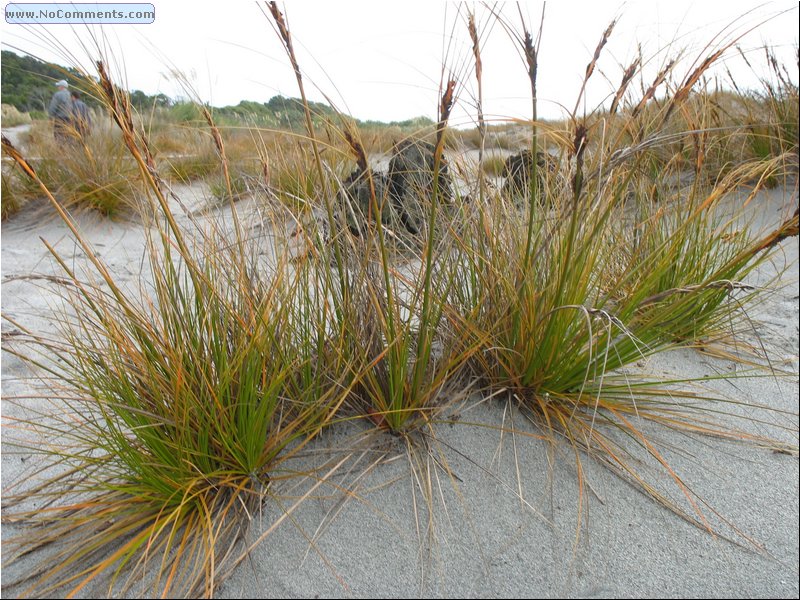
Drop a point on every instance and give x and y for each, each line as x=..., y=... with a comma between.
x=28, y=86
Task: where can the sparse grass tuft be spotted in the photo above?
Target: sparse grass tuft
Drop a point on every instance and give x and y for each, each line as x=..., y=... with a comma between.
x=493, y=166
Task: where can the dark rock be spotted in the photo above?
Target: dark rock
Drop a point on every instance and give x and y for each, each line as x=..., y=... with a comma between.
x=356, y=199
x=517, y=172
x=403, y=195
x=411, y=182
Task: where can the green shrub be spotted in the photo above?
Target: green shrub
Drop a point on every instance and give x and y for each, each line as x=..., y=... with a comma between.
x=11, y=117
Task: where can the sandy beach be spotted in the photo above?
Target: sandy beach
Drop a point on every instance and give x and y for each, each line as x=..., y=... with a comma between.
x=507, y=522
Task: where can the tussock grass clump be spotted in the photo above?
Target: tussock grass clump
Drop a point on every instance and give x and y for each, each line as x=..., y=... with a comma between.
x=620, y=263
x=182, y=403
x=181, y=410
x=93, y=173
x=388, y=317
x=410, y=358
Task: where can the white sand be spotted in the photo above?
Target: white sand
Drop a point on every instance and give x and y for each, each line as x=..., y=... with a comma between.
x=486, y=541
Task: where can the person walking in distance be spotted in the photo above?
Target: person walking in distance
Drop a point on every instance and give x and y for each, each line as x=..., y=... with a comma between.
x=81, y=119
x=60, y=112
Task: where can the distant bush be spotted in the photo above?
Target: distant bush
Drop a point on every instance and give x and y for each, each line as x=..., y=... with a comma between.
x=13, y=117
x=184, y=112
x=493, y=165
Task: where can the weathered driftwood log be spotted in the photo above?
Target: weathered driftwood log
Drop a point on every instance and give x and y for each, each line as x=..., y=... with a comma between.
x=403, y=196
x=517, y=172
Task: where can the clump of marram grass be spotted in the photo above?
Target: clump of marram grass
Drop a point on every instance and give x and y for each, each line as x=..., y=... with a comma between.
x=183, y=403
x=389, y=296
x=180, y=405
x=563, y=296
x=92, y=173
x=181, y=411
x=392, y=328
x=390, y=316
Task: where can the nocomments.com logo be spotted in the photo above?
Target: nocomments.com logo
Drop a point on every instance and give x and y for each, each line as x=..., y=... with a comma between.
x=75, y=14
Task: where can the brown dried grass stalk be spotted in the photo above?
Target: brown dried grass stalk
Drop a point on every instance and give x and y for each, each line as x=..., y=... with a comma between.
x=476, y=53
x=627, y=76
x=592, y=64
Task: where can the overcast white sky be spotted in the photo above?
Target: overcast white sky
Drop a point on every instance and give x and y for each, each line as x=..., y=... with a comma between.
x=383, y=60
